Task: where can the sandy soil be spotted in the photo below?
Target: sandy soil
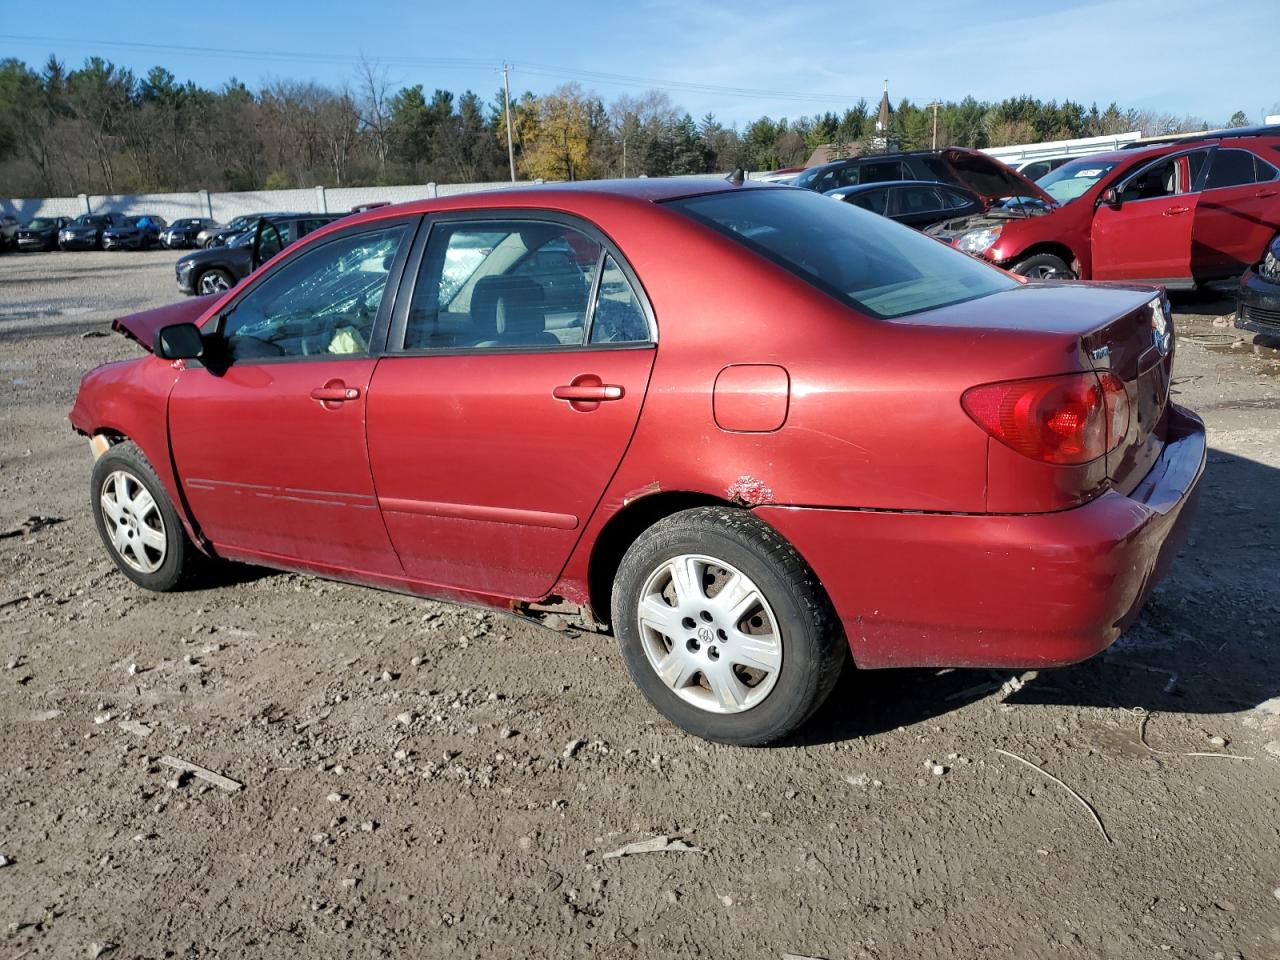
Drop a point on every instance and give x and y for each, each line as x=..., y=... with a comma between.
x=423, y=780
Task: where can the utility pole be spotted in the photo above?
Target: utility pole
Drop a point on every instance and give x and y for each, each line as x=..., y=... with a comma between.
x=935, y=106
x=511, y=146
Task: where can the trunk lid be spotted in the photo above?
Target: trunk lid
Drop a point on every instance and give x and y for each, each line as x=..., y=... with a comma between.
x=1138, y=348
x=142, y=327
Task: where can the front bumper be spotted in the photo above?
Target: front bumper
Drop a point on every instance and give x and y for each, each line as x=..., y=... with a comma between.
x=79, y=243
x=1021, y=591
x=36, y=243
x=122, y=243
x=1258, y=305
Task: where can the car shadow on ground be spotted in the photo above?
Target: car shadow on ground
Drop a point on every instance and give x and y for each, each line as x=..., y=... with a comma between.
x=1205, y=642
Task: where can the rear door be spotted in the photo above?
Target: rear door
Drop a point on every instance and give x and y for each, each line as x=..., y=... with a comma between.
x=514, y=375
x=1236, y=216
x=1147, y=234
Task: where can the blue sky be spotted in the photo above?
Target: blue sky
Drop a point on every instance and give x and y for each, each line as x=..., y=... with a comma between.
x=736, y=59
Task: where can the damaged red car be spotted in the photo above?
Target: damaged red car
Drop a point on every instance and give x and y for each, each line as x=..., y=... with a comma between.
x=755, y=434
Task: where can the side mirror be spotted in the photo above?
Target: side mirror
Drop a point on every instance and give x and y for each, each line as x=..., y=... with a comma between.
x=179, y=341
x=1110, y=196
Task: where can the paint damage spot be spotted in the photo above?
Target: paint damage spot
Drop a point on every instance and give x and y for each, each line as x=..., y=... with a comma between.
x=645, y=491
x=749, y=491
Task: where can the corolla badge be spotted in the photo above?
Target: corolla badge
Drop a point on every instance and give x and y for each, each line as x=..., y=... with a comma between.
x=1159, y=326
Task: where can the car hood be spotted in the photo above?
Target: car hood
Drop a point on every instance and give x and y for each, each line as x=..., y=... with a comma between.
x=142, y=327
x=990, y=179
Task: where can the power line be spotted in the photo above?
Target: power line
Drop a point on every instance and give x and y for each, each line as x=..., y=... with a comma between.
x=451, y=63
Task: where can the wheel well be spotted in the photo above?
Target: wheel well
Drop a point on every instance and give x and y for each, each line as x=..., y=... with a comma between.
x=1059, y=250
x=621, y=531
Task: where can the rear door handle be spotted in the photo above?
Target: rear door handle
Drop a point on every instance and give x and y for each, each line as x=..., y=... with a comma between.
x=1176, y=211
x=590, y=392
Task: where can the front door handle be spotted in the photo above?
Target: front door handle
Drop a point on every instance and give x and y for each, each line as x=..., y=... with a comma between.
x=594, y=392
x=334, y=393
x=1177, y=211
x=1263, y=194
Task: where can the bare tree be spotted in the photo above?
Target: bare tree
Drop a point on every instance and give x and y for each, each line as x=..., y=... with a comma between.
x=374, y=101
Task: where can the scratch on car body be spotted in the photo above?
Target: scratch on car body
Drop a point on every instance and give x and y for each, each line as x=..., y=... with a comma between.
x=647, y=490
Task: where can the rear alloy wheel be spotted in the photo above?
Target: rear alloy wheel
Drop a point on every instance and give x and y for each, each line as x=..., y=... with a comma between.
x=137, y=522
x=214, y=280
x=724, y=627
x=1044, y=266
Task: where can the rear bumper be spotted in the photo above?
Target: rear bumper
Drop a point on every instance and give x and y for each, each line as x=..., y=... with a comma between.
x=1258, y=305
x=1032, y=590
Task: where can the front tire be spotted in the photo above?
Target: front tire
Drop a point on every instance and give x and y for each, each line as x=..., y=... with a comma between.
x=1044, y=266
x=724, y=627
x=138, y=523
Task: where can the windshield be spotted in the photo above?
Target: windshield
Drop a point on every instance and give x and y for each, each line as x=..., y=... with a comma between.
x=1071, y=180
x=878, y=266
x=40, y=223
x=91, y=220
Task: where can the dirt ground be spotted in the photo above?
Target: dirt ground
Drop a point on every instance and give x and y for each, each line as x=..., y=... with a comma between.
x=425, y=780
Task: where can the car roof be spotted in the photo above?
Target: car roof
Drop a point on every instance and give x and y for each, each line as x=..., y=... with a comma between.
x=883, y=184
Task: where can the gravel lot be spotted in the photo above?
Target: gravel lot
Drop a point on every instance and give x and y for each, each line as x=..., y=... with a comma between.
x=425, y=780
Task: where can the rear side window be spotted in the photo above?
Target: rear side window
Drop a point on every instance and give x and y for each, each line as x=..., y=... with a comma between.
x=874, y=200
x=880, y=171
x=500, y=284
x=1234, y=168
x=868, y=262
x=618, y=316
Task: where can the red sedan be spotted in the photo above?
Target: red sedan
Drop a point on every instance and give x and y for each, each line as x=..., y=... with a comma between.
x=749, y=430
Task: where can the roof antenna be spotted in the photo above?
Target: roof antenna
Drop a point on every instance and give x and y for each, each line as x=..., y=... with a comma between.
x=737, y=177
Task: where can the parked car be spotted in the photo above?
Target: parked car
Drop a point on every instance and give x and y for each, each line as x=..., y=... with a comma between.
x=218, y=234
x=41, y=233
x=8, y=231
x=1258, y=296
x=371, y=205
x=1003, y=476
x=1182, y=214
x=182, y=233
x=136, y=233
x=986, y=176
x=917, y=203
x=1036, y=168
x=219, y=268
x=85, y=231
x=781, y=175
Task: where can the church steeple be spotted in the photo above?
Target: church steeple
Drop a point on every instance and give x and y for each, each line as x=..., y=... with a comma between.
x=882, y=122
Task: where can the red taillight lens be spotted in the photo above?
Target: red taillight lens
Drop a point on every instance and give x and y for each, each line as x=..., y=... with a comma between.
x=1069, y=419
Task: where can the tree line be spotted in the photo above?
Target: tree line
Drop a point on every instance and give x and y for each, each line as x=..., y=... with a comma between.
x=101, y=129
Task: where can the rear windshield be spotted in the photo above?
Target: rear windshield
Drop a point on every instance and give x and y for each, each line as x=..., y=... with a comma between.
x=864, y=260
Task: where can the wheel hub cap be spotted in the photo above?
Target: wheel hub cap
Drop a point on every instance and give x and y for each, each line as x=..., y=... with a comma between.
x=133, y=522
x=710, y=634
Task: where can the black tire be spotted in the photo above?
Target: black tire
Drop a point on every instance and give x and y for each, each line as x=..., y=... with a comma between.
x=181, y=560
x=1044, y=266
x=813, y=645
x=211, y=274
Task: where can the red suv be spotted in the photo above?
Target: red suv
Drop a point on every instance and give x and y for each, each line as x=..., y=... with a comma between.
x=1199, y=209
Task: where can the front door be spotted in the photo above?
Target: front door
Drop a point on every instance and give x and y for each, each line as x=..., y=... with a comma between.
x=510, y=390
x=1146, y=235
x=268, y=436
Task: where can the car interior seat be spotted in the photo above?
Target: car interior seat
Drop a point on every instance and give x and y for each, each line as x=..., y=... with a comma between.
x=509, y=311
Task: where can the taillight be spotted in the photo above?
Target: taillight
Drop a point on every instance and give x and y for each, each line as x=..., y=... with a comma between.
x=1069, y=419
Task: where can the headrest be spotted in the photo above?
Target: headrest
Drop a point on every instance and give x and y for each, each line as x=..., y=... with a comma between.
x=504, y=307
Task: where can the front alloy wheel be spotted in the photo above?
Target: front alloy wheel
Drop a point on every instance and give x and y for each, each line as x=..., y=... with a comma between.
x=214, y=281
x=137, y=523
x=135, y=526
x=724, y=627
